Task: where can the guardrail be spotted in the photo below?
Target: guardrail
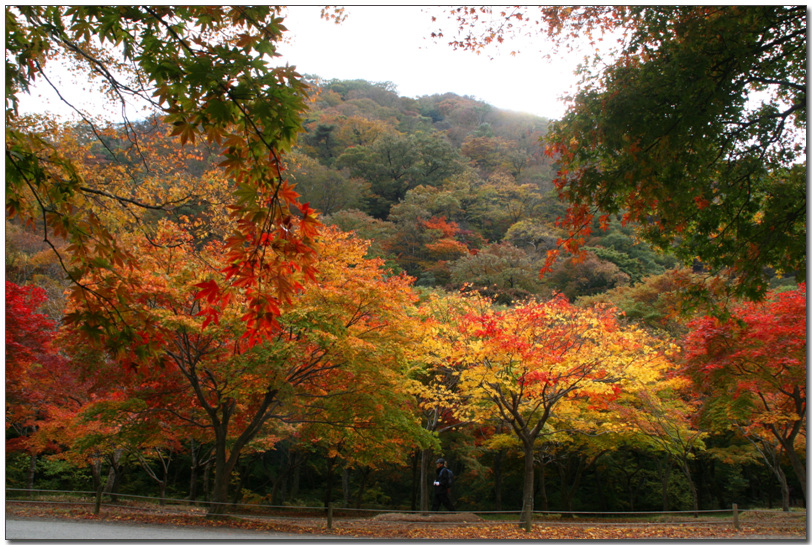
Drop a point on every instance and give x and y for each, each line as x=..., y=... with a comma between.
x=333, y=512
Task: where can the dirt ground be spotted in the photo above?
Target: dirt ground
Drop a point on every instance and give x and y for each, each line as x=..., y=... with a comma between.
x=451, y=526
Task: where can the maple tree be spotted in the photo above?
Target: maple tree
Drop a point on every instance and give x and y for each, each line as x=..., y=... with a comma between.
x=205, y=70
x=425, y=243
x=536, y=363
x=694, y=131
x=751, y=369
x=366, y=428
x=664, y=414
x=91, y=410
x=434, y=377
x=130, y=179
x=29, y=342
x=444, y=242
x=32, y=362
x=367, y=417
x=342, y=340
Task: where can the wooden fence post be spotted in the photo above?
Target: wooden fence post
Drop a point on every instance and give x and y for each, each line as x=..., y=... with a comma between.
x=736, y=524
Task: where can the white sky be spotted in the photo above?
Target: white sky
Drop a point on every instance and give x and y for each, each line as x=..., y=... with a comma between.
x=386, y=43
x=393, y=43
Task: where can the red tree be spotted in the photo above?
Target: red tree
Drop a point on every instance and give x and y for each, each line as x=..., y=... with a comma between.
x=752, y=369
x=31, y=363
x=29, y=336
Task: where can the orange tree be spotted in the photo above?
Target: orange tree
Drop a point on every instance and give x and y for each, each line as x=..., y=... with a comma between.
x=205, y=71
x=541, y=365
x=751, y=371
x=364, y=321
x=337, y=339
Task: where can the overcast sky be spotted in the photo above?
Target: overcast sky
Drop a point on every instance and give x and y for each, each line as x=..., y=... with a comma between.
x=388, y=44
x=393, y=43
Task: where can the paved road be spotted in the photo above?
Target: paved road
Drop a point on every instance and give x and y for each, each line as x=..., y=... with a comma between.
x=35, y=529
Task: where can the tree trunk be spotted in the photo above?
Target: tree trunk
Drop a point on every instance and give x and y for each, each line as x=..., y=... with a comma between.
x=237, y=494
x=227, y=453
x=110, y=482
x=32, y=470
x=328, y=494
x=111, y=486
x=299, y=460
x=163, y=479
x=632, y=492
x=425, y=457
x=567, y=489
x=782, y=478
x=193, y=472
x=277, y=488
x=772, y=457
x=686, y=470
x=601, y=494
x=207, y=479
x=632, y=485
x=583, y=463
x=219, y=487
x=199, y=462
x=497, y=478
x=798, y=466
x=545, y=505
x=223, y=467
x=415, y=478
x=95, y=471
x=787, y=439
x=664, y=467
x=529, y=481
x=281, y=479
x=345, y=485
x=362, y=487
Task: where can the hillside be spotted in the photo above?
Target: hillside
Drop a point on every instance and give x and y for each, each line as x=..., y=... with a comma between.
x=451, y=190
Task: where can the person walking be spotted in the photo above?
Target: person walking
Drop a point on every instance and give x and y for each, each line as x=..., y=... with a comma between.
x=442, y=484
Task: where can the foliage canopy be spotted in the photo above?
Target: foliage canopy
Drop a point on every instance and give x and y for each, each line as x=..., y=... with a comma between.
x=695, y=130
x=205, y=70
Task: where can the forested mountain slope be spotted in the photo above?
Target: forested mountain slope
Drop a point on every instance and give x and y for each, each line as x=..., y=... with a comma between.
x=451, y=190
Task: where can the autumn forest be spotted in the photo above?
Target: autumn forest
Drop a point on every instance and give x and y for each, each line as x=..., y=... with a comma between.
x=277, y=289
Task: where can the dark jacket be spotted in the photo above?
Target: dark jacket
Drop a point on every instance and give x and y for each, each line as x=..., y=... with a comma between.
x=443, y=479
